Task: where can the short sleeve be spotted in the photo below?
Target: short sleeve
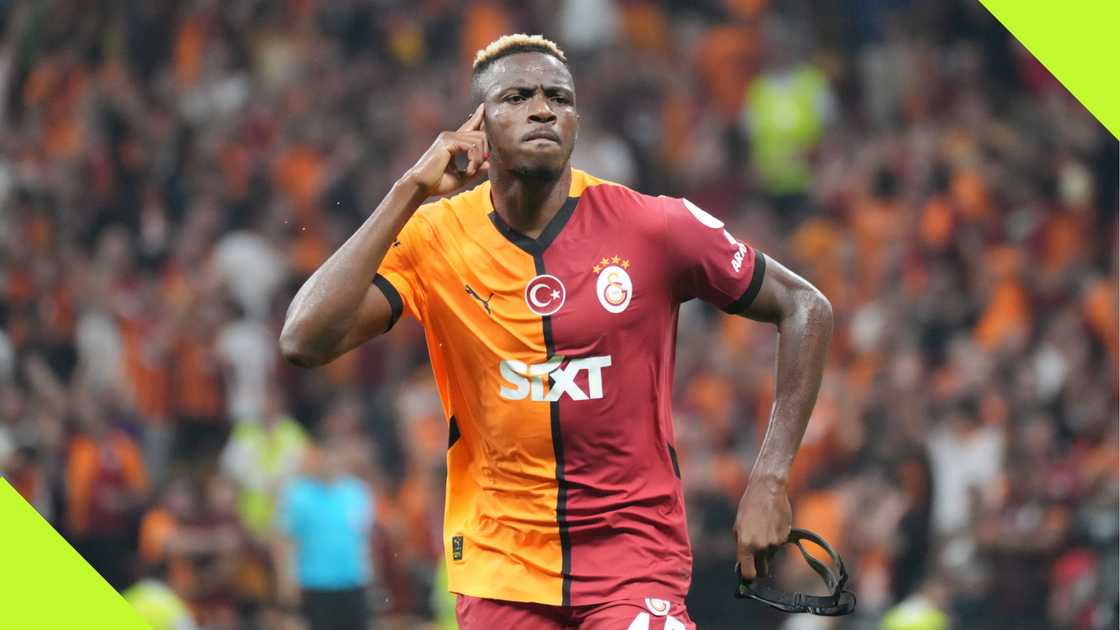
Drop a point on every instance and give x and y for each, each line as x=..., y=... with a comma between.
x=707, y=261
x=397, y=276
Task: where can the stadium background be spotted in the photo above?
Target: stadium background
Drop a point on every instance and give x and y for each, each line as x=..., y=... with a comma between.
x=170, y=172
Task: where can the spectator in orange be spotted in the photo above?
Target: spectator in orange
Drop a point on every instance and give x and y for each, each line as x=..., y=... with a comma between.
x=1007, y=315
x=146, y=337
x=216, y=546
x=197, y=395
x=106, y=484
x=198, y=540
x=161, y=531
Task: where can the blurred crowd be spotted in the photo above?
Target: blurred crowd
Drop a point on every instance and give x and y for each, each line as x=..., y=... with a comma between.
x=170, y=173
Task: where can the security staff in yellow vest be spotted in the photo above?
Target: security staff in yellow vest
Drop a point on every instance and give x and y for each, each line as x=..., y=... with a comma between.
x=786, y=110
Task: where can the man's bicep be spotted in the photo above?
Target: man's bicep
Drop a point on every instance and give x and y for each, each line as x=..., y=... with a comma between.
x=376, y=315
x=394, y=290
x=776, y=292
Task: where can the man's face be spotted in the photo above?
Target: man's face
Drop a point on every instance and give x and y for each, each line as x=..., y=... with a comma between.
x=531, y=119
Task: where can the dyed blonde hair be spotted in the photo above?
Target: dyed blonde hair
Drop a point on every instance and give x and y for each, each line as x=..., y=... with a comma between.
x=517, y=43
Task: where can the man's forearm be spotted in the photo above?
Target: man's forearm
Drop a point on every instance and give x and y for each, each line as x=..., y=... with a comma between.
x=804, y=332
x=324, y=309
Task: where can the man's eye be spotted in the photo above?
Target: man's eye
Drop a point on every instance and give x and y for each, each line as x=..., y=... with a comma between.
x=515, y=98
x=561, y=99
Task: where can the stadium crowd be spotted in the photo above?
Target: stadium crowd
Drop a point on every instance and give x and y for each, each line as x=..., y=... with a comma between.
x=171, y=171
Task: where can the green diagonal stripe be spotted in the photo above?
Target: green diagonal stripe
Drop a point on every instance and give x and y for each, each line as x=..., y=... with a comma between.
x=1079, y=43
x=45, y=584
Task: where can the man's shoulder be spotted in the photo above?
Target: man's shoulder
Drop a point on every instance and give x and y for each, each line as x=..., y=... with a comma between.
x=440, y=211
x=586, y=185
x=469, y=206
x=613, y=194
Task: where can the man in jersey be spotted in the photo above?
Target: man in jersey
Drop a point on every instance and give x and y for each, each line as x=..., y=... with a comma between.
x=549, y=302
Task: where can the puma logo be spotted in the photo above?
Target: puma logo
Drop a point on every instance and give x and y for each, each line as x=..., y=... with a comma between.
x=485, y=303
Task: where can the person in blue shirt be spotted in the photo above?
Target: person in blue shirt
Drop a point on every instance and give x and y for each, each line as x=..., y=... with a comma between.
x=325, y=519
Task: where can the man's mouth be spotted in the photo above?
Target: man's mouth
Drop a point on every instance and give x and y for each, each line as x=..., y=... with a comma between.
x=541, y=134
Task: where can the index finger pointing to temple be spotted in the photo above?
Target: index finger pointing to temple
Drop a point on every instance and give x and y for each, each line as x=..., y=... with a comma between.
x=474, y=123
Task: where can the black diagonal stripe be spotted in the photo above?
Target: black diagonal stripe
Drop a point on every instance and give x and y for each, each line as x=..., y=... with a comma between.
x=552, y=230
x=396, y=304
x=452, y=432
x=558, y=453
x=744, y=302
x=673, y=457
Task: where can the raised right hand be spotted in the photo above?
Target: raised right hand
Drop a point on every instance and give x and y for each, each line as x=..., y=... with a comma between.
x=436, y=173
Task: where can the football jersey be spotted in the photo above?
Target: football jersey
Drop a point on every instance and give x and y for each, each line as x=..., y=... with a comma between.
x=554, y=358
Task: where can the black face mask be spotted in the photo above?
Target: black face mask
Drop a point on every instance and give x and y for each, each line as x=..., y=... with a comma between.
x=840, y=602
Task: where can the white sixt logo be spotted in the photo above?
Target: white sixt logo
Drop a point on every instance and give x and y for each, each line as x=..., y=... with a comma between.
x=528, y=379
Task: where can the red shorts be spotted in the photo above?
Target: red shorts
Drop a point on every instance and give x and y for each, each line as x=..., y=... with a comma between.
x=476, y=613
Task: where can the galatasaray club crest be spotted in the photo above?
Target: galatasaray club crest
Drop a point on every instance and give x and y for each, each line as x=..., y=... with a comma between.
x=613, y=287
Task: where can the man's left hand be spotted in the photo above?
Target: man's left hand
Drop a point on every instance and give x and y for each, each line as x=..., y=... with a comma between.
x=762, y=522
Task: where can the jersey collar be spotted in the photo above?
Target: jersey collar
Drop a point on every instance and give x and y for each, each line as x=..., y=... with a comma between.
x=535, y=246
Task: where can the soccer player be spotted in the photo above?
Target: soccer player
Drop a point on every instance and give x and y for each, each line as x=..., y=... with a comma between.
x=549, y=302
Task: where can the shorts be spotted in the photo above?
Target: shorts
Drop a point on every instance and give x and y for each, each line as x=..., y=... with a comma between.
x=343, y=609
x=476, y=613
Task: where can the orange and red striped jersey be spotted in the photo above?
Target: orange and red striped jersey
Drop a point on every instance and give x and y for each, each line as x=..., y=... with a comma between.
x=554, y=359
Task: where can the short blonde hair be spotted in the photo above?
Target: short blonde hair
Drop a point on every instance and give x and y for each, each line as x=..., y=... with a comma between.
x=516, y=43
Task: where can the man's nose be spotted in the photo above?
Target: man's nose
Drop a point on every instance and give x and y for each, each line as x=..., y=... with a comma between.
x=540, y=111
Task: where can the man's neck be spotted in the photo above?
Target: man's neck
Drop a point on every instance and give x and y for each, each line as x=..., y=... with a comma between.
x=528, y=204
